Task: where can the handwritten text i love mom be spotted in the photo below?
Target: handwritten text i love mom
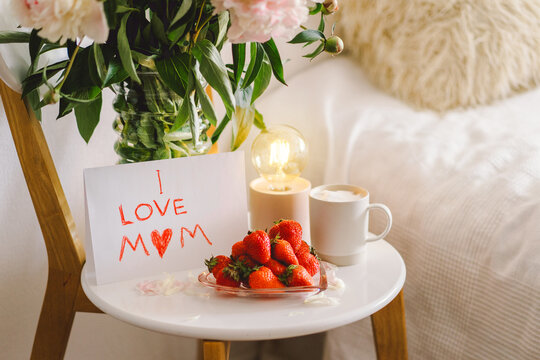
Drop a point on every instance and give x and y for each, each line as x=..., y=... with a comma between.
x=148, y=210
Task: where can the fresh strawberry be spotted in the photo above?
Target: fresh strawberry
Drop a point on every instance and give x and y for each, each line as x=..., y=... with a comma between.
x=283, y=251
x=238, y=249
x=304, y=247
x=246, y=261
x=228, y=276
x=257, y=245
x=216, y=263
x=264, y=278
x=245, y=265
x=309, y=262
x=276, y=267
x=296, y=275
x=288, y=230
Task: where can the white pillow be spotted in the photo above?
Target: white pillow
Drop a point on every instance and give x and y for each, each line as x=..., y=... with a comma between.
x=445, y=54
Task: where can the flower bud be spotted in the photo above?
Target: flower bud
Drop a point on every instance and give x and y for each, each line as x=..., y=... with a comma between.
x=330, y=7
x=334, y=45
x=51, y=97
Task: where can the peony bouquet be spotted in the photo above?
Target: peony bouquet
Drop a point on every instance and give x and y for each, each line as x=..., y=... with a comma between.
x=160, y=57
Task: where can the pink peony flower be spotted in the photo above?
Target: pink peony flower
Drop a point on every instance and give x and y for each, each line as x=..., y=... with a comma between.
x=259, y=20
x=60, y=20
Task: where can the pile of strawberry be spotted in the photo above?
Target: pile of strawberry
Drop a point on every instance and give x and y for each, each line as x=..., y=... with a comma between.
x=263, y=260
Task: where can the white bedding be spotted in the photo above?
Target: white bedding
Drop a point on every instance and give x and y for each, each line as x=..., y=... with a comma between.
x=464, y=189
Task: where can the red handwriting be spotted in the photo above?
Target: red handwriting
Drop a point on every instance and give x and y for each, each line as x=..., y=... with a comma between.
x=178, y=207
x=149, y=207
x=192, y=234
x=122, y=218
x=145, y=211
x=159, y=178
x=161, y=241
x=166, y=206
x=134, y=247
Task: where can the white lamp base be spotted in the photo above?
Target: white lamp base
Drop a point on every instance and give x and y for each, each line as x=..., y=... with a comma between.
x=267, y=206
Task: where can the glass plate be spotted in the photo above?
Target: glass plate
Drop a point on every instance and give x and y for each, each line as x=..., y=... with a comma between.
x=207, y=279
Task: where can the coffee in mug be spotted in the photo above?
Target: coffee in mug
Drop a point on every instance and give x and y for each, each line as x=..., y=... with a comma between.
x=339, y=218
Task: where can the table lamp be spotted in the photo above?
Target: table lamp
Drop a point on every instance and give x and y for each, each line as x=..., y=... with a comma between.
x=279, y=154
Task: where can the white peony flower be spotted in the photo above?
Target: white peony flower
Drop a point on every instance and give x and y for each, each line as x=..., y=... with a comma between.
x=59, y=20
x=259, y=20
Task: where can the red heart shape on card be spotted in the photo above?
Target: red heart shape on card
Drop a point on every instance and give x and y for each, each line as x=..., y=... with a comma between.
x=161, y=242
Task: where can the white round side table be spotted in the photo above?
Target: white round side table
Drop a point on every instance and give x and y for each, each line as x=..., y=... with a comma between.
x=370, y=287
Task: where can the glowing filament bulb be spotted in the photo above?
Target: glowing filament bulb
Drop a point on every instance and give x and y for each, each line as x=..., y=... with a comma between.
x=279, y=153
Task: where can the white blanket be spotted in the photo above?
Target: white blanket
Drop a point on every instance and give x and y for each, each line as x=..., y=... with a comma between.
x=464, y=189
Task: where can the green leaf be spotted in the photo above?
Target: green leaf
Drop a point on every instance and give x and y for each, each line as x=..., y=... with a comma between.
x=321, y=24
x=215, y=137
x=262, y=80
x=275, y=60
x=115, y=73
x=144, y=60
x=315, y=9
x=162, y=153
x=206, y=103
x=316, y=52
x=146, y=132
x=33, y=101
x=49, y=47
x=99, y=61
x=176, y=34
x=109, y=8
x=83, y=96
x=125, y=51
x=35, y=80
x=187, y=110
x=158, y=29
x=307, y=36
x=132, y=153
x=65, y=108
x=257, y=56
x=223, y=21
x=214, y=71
x=80, y=77
x=239, y=60
x=87, y=116
x=34, y=46
x=122, y=9
x=9, y=37
x=242, y=123
x=182, y=10
x=174, y=72
x=243, y=97
x=259, y=121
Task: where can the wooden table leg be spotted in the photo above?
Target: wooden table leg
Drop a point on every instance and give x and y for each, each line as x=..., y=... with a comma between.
x=216, y=350
x=389, y=331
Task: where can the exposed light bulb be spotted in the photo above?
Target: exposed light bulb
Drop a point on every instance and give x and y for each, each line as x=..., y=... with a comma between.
x=279, y=155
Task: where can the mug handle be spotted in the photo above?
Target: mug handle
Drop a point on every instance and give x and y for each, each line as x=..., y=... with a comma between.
x=388, y=221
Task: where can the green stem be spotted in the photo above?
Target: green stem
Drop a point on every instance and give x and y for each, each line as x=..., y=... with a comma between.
x=198, y=28
x=200, y=15
x=70, y=65
x=204, y=23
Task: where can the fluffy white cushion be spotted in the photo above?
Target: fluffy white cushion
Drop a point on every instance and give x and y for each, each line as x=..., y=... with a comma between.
x=445, y=54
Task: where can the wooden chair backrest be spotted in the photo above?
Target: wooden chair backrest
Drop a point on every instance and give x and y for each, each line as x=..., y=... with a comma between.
x=64, y=250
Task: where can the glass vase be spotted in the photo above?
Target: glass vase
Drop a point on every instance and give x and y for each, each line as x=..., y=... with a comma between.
x=146, y=113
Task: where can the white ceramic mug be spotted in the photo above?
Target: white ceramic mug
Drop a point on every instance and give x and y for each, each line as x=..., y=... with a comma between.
x=339, y=218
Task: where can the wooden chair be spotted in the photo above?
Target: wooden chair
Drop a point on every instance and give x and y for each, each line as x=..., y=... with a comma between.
x=64, y=296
